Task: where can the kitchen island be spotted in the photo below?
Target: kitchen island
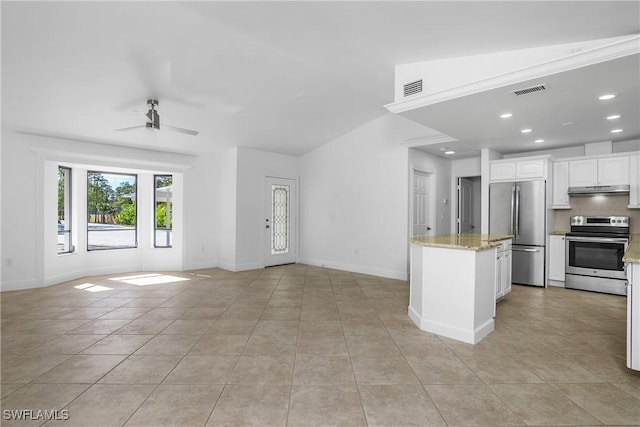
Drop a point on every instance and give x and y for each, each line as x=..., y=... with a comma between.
x=453, y=284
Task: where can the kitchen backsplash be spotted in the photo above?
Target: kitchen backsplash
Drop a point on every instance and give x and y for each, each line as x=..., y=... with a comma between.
x=598, y=206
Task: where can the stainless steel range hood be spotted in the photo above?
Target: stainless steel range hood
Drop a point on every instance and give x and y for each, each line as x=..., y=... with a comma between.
x=599, y=190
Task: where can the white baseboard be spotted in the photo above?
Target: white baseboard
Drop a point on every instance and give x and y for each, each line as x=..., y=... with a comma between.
x=199, y=265
x=239, y=267
x=555, y=283
x=380, y=272
x=468, y=336
x=19, y=285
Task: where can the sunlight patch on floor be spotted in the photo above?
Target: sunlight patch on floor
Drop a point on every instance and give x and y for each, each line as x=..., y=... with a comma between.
x=149, y=279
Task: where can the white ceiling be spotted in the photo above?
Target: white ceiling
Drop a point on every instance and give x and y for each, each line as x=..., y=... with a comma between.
x=280, y=76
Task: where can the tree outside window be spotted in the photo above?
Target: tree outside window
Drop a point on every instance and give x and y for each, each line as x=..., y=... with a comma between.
x=163, y=211
x=111, y=210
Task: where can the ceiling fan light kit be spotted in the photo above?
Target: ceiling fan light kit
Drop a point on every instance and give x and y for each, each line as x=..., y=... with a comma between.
x=153, y=121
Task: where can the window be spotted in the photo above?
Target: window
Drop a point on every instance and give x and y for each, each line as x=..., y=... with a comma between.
x=163, y=211
x=111, y=210
x=64, y=210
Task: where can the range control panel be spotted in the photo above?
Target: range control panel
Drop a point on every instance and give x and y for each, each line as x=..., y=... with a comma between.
x=606, y=221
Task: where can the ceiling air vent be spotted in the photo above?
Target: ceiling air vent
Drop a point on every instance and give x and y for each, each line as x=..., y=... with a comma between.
x=413, y=88
x=528, y=90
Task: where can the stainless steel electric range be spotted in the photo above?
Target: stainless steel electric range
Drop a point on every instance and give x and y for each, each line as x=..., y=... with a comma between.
x=594, y=250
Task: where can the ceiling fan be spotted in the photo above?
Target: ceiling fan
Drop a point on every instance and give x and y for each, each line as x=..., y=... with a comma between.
x=153, y=121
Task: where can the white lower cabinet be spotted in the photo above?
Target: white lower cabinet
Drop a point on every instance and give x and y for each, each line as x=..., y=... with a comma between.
x=503, y=269
x=556, y=258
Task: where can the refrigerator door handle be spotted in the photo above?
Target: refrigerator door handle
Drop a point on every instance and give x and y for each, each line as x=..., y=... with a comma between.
x=517, y=215
x=524, y=250
x=513, y=209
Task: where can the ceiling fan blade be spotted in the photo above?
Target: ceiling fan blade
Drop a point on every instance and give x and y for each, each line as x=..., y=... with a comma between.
x=130, y=128
x=176, y=129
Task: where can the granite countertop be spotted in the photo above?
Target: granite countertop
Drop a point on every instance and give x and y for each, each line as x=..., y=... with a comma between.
x=558, y=233
x=474, y=242
x=633, y=252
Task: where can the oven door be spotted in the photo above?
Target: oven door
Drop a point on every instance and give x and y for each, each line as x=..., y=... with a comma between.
x=596, y=256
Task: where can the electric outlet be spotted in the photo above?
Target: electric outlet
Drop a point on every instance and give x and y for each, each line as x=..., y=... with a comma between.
x=8, y=262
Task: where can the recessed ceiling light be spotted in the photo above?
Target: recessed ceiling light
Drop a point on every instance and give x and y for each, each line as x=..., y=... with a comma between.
x=527, y=130
x=613, y=117
x=506, y=115
x=538, y=141
x=450, y=152
x=606, y=97
x=616, y=131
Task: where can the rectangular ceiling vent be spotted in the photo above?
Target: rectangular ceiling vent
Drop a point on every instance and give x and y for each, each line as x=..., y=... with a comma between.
x=528, y=90
x=413, y=88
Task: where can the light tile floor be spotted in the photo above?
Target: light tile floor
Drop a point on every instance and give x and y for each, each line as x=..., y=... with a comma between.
x=298, y=345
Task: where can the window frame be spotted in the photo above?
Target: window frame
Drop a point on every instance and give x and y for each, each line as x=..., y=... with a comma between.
x=155, y=219
x=109, y=248
x=68, y=211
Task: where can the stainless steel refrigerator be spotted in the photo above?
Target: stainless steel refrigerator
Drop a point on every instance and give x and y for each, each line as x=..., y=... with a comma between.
x=519, y=209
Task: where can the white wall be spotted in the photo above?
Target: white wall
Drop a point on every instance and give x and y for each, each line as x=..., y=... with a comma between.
x=226, y=208
x=354, y=199
x=486, y=155
x=29, y=204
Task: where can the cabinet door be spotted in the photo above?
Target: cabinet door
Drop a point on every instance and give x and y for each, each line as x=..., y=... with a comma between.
x=583, y=173
x=556, y=258
x=502, y=171
x=530, y=169
x=634, y=182
x=613, y=171
x=560, y=185
x=499, y=274
x=506, y=273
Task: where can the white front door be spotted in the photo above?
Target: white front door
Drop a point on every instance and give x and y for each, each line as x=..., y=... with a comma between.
x=420, y=226
x=465, y=205
x=280, y=222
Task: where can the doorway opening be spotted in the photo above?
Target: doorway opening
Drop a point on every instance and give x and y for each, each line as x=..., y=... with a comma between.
x=469, y=196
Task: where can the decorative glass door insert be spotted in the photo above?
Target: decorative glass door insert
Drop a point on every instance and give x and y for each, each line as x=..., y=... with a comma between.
x=280, y=215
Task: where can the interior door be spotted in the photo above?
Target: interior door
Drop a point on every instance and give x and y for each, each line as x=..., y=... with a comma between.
x=280, y=223
x=420, y=226
x=465, y=205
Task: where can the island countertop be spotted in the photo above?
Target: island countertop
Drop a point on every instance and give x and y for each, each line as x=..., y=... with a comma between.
x=633, y=251
x=473, y=242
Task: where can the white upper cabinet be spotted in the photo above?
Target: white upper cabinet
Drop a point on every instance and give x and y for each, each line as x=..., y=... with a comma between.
x=530, y=168
x=518, y=169
x=503, y=171
x=613, y=171
x=560, y=185
x=583, y=173
x=634, y=182
x=602, y=171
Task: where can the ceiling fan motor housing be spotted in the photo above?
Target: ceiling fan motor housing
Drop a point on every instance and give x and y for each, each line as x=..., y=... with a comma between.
x=153, y=118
